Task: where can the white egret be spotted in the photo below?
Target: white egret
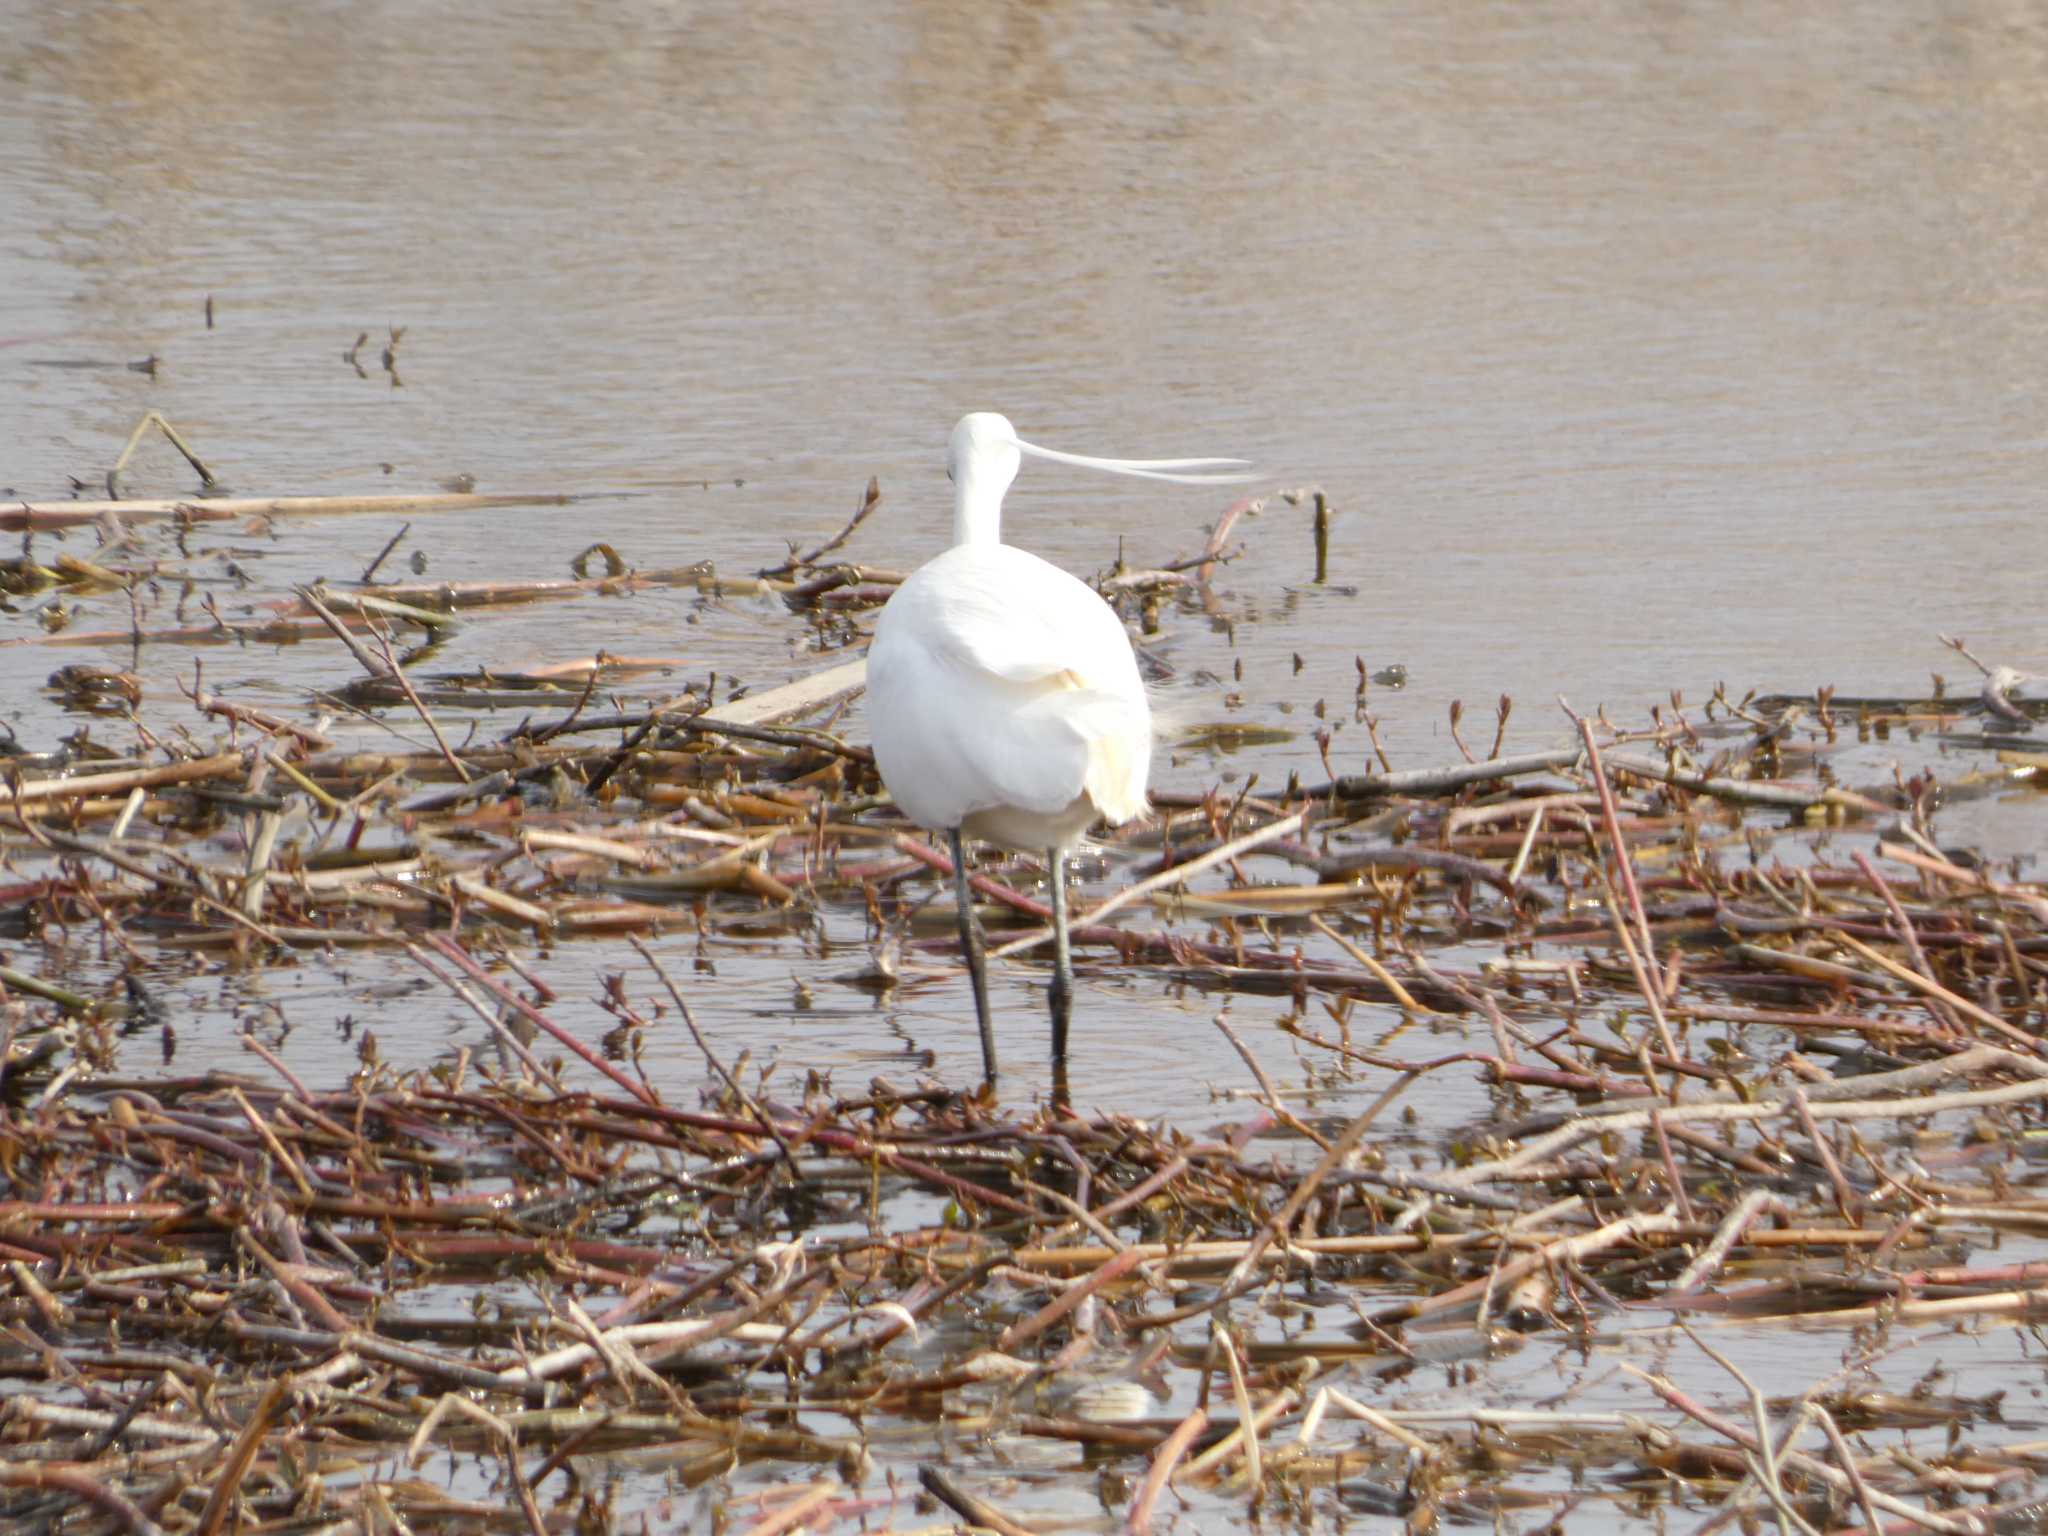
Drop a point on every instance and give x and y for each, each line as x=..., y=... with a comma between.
x=1003, y=696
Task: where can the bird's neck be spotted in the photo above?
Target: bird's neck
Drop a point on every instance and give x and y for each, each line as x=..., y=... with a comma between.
x=977, y=512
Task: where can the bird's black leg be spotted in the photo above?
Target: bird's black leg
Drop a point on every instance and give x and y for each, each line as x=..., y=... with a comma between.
x=977, y=957
x=1062, y=958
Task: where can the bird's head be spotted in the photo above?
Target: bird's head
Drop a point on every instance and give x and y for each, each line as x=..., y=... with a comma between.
x=983, y=455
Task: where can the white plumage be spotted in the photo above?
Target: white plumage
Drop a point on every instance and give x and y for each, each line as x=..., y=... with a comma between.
x=1003, y=695
x=1006, y=701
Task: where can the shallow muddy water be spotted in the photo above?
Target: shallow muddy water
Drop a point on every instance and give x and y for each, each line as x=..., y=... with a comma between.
x=1638, y=350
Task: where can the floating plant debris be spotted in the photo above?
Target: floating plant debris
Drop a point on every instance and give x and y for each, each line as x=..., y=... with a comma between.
x=1754, y=1054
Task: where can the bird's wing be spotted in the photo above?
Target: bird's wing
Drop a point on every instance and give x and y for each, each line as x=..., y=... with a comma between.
x=1001, y=747
x=1009, y=614
x=991, y=684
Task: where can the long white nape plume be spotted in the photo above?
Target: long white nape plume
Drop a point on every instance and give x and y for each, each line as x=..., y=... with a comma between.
x=1175, y=470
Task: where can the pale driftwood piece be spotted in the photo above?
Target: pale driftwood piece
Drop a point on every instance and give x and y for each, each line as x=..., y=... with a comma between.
x=70, y=514
x=791, y=699
x=359, y=874
x=1927, y=987
x=177, y=440
x=378, y=671
x=1271, y=832
x=1726, y=1236
x=129, y=778
x=1207, y=1467
x=1624, y=1229
x=1978, y=879
x=450, y=595
x=264, y=632
x=366, y=604
x=1901, y=1080
x=1424, y=781
x=141, y=1425
x=1139, y=1519
x=1583, y=1126
x=717, y=871
x=1741, y=791
x=502, y=901
x=598, y=847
